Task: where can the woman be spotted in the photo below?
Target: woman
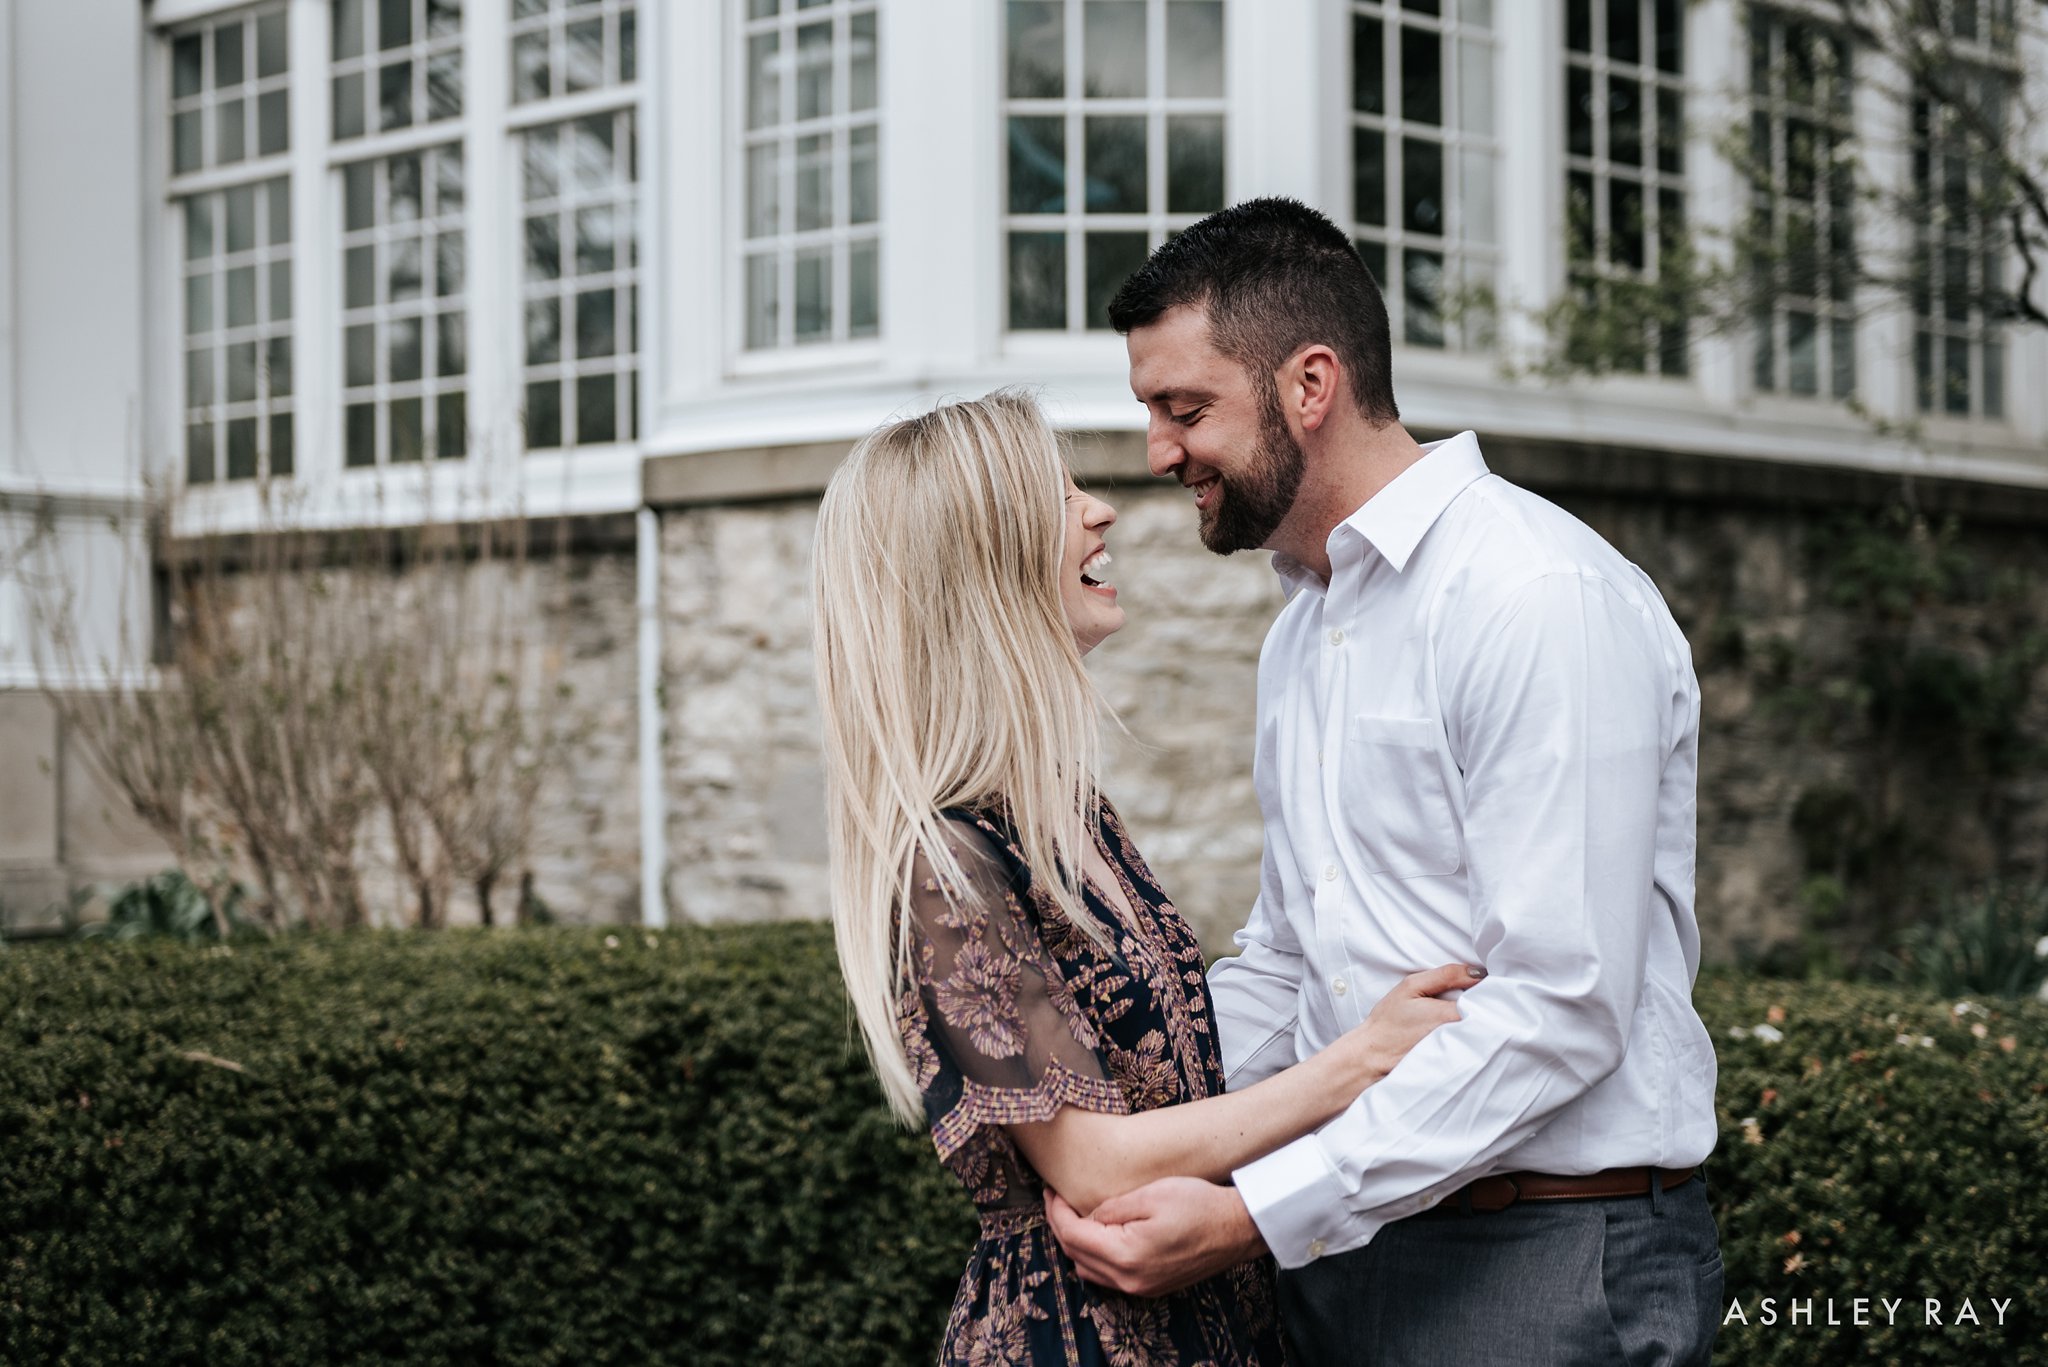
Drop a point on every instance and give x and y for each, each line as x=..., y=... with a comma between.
x=1024, y=986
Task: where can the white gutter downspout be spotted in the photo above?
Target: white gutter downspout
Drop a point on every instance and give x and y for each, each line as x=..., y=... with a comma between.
x=653, y=807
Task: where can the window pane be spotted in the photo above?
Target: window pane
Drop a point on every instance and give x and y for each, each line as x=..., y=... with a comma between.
x=199, y=377
x=348, y=105
x=814, y=71
x=348, y=29
x=1113, y=63
x=597, y=408
x=199, y=453
x=764, y=304
x=407, y=434
x=1422, y=290
x=861, y=57
x=1038, y=165
x=394, y=96
x=543, y=331
x=1038, y=280
x=864, y=293
x=596, y=236
x=1369, y=176
x=1624, y=122
x=1578, y=110
x=277, y=367
x=583, y=55
x=229, y=127
x=185, y=133
x=198, y=227
x=359, y=349
x=188, y=66
x=596, y=323
x=764, y=80
x=241, y=372
x=543, y=415
x=1671, y=36
x=1803, y=365
x=1037, y=34
x=449, y=264
x=451, y=426
x=1111, y=259
x=273, y=123
x=358, y=196
x=402, y=190
x=530, y=67
x=227, y=55
x=270, y=44
x=1194, y=164
x=629, y=47
x=863, y=184
x=1114, y=163
x=1368, y=66
x=814, y=182
x=1422, y=76
x=1624, y=31
x=444, y=85
x=813, y=296
x=360, y=448
x=242, y=448
x=1476, y=196
x=444, y=18
x=1578, y=25
x=241, y=217
x=241, y=282
x=591, y=151
x=1842, y=355
x=1670, y=131
x=281, y=460
x=451, y=344
x=543, y=168
x=1422, y=185
x=1194, y=48
x=1475, y=87
x=394, y=23
x=1628, y=243
x=199, y=304
x=359, y=277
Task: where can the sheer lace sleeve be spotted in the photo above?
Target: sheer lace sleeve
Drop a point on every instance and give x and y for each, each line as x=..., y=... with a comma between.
x=1009, y=1043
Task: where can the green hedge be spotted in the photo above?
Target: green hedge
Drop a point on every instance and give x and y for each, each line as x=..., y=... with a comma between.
x=564, y=1146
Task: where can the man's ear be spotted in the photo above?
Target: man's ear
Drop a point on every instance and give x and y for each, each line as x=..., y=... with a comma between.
x=1310, y=381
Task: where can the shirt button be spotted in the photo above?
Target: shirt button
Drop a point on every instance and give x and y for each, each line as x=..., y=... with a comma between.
x=1329, y=873
x=1336, y=636
x=1315, y=1248
x=1339, y=987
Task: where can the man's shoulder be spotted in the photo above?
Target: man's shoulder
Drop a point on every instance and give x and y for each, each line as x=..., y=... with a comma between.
x=1503, y=536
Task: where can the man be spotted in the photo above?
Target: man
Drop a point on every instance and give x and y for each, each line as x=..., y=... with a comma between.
x=1477, y=739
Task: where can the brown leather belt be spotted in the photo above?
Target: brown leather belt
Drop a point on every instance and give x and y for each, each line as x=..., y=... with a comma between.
x=1490, y=1195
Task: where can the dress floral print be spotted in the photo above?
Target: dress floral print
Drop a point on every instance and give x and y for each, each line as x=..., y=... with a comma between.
x=1015, y=1013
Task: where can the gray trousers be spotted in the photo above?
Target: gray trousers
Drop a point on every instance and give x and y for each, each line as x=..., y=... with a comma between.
x=1634, y=1280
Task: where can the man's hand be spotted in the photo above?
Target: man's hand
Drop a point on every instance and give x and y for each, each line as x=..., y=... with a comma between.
x=1164, y=1236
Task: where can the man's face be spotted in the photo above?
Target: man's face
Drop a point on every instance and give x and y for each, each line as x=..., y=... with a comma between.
x=1215, y=430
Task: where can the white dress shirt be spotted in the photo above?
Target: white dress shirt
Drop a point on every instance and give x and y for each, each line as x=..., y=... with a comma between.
x=1477, y=742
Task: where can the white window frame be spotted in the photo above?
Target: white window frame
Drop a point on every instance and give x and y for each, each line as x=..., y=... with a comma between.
x=837, y=239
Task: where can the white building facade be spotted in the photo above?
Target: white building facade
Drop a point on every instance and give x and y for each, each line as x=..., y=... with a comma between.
x=665, y=259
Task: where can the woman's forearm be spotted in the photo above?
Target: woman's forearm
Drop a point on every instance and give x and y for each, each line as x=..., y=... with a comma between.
x=1088, y=1157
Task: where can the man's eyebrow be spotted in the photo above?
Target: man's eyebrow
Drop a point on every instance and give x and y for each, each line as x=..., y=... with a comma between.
x=1169, y=397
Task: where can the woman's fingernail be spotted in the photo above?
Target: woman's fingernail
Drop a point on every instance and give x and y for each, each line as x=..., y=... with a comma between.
x=1475, y=970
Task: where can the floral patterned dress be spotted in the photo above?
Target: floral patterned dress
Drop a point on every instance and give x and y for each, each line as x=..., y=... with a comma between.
x=1014, y=1013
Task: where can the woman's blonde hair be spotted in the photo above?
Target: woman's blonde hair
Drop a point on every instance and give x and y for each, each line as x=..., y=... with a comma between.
x=947, y=676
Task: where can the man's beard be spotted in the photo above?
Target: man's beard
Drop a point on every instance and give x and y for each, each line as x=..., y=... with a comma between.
x=1252, y=504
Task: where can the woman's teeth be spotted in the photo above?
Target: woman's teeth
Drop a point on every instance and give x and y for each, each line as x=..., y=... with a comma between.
x=1094, y=570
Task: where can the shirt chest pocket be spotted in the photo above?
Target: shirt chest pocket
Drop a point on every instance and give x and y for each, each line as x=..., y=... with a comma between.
x=1397, y=810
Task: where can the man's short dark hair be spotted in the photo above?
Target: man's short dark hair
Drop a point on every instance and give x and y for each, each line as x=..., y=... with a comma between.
x=1274, y=276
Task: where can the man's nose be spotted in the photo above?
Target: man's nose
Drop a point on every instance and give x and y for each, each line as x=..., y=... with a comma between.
x=1163, y=453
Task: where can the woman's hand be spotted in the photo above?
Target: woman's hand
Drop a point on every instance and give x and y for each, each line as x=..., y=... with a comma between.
x=1412, y=1009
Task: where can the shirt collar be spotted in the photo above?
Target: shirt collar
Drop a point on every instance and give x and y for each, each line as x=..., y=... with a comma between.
x=1393, y=520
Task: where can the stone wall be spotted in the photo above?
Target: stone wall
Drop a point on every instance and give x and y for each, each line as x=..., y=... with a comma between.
x=745, y=812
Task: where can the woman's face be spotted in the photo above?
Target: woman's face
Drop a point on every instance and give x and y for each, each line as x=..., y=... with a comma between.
x=1085, y=592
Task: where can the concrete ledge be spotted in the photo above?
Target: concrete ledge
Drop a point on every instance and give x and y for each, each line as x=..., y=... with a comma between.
x=1550, y=467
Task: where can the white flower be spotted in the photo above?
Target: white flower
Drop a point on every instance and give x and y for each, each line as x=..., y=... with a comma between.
x=611, y=942
x=1969, y=1009
x=1738, y=1032
x=1927, y=1041
x=1769, y=1034
x=652, y=942
x=2041, y=948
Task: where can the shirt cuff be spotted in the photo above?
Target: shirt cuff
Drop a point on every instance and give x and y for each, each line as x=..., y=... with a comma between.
x=1298, y=1202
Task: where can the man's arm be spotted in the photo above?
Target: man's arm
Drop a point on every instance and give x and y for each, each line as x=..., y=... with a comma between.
x=1557, y=707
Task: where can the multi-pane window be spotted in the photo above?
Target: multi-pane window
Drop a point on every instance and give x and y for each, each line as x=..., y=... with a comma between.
x=1802, y=237
x=1625, y=159
x=228, y=92
x=1962, y=203
x=811, y=201
x=563, y=47
x=582, y=259
x=404, y=269
x=397, y=64
x=230, y=117
x=1114, y=137
x=1422, y=158
x=237, y=290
